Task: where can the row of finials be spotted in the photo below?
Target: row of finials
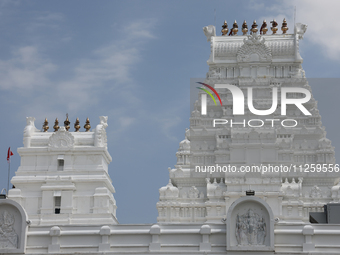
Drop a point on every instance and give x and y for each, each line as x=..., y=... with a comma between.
x=67, y=123
x=254, y=30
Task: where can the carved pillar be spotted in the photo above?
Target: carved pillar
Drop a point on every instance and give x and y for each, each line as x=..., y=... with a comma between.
x=159, y=209
x=267, y=70
x=218, y=210
x=208, y=210
x=226, y=199
x=177, y=212
x=289, y=209
x=280, y=205
x=305, y=212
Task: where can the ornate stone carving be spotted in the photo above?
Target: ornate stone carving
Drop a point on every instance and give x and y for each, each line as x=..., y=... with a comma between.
x=8, y=237
x=30, y=127
x=100, y=132
x=61, y=139
x=193, y=192
x=226, y=49
x=282, y=48
x=325, y=143
x=169, y=191
x=209, y=31
x=214, y=73
x=253, y=44
x=278, y=48
x=250, y=229
x=28, y=131
x=315, y=192
x=300, y=29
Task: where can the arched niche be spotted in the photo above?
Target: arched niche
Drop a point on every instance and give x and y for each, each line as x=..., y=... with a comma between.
x=13, y=226
x=250, y=225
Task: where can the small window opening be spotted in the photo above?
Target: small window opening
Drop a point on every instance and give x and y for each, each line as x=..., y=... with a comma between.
x=57, y=204
x=60, y=164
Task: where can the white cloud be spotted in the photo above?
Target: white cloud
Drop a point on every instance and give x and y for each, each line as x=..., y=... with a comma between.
x=30, y=75
x=47, y=17
x=323, y=25
x=141, y=29
x=320, y=16
x=126, y=121
x=111, y=64
x=26, y=70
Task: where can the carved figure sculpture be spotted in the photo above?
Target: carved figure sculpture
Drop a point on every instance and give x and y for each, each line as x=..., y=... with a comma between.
x=261, y=231
x=241, y=231
x=30, y=127
x=300, y=29
x=209, y=31
x=100, y=132
x=250, y=229
x=214, y=74
x=8, y=237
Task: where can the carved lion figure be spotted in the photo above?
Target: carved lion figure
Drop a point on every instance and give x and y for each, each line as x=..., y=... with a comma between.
x=300, y=29
x=209, y=31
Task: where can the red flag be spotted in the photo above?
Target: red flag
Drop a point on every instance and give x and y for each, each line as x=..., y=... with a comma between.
x=9, y=154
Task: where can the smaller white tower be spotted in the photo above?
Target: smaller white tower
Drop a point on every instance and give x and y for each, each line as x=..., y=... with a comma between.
x=63, y=177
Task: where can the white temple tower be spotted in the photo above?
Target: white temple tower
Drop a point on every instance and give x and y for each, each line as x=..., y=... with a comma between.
x=63, y=177
x=262, y=63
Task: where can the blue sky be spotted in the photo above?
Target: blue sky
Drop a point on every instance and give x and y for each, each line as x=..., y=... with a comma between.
x=132, y=61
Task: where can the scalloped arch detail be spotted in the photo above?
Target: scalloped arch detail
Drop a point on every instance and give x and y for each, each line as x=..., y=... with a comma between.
x=254, y=44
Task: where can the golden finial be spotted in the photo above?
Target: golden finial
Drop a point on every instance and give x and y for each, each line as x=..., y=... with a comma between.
x=244, y=27
x=235, y=28
x=274, y=26
x=284, y=27
x=264, y=28
x=87, y=125
x=225, y=28
x=76, y=125
x=67, y=123
x=254, y=27
x=56, y=127
x=45, y=126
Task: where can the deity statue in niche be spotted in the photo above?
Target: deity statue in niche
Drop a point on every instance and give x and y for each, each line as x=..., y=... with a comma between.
x=250, y=229
x=241, y=231
x=261, y=231
x=8, y=237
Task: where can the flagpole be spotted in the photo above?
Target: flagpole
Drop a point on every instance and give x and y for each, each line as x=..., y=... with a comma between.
x=9, y=171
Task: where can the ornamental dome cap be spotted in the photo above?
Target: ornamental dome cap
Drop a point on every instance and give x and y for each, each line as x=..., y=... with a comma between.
x=169, y=191
x=324, y=143
x=184, y=145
